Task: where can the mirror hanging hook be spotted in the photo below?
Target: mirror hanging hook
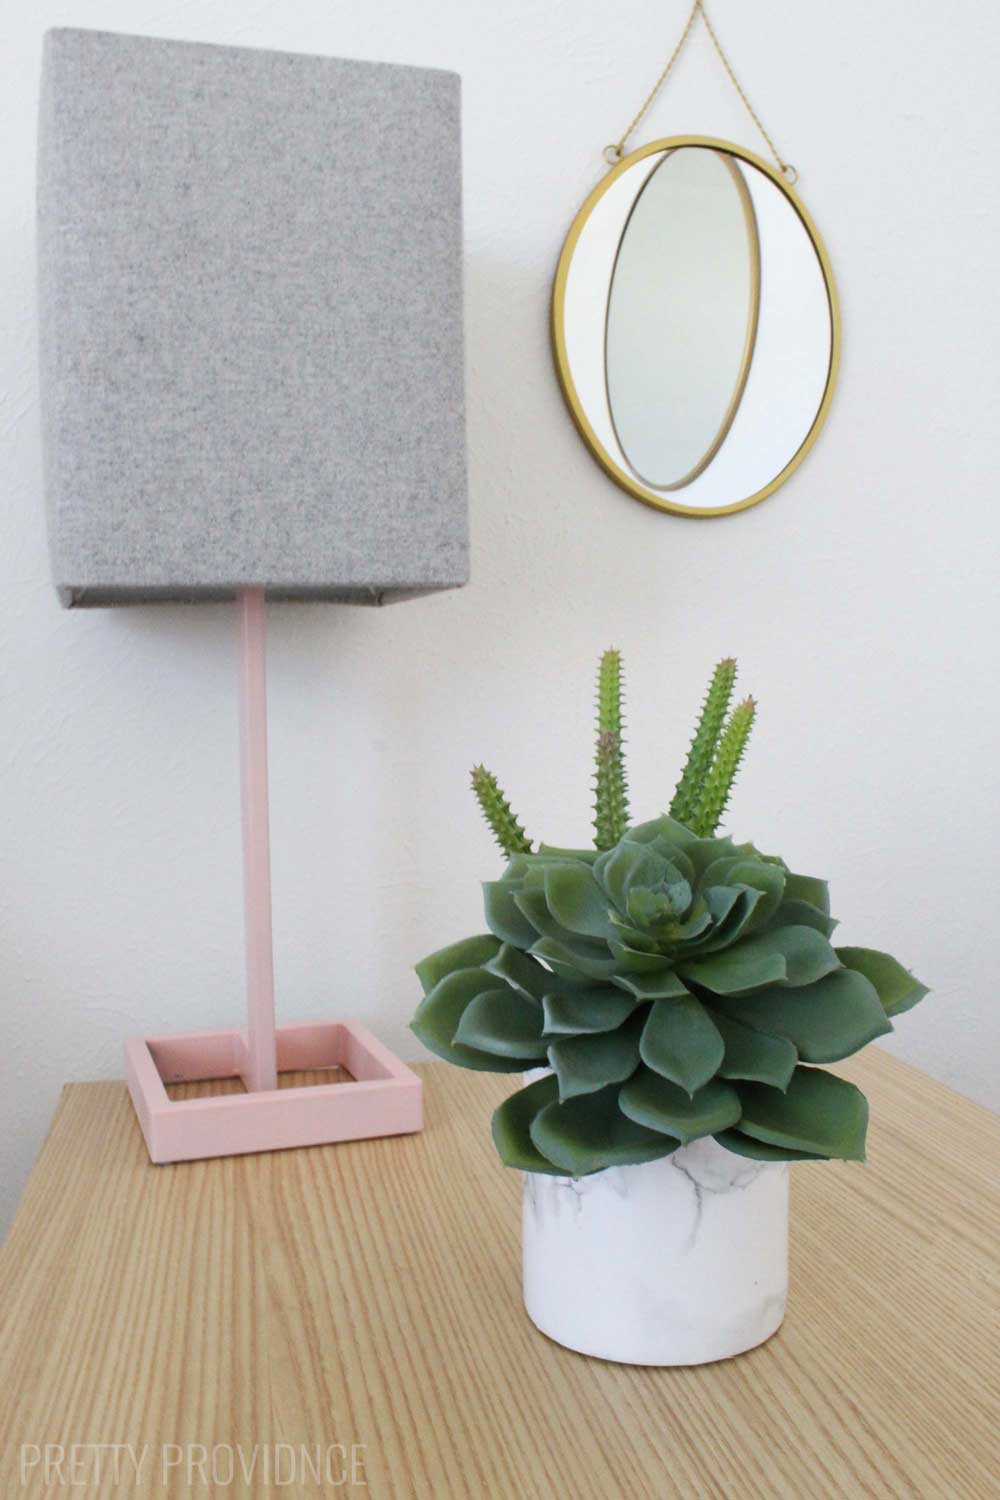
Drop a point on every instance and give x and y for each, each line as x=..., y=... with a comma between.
x=613, y=154
x=619, y=147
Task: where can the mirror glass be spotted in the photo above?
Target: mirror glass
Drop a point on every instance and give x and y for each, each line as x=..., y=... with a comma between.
x=695, y=326
x=686, y=280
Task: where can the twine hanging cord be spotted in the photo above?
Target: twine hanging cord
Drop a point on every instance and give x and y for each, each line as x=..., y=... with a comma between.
x=614, y=153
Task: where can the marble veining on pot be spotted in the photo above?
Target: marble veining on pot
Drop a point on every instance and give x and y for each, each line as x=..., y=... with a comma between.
x=676, y=1261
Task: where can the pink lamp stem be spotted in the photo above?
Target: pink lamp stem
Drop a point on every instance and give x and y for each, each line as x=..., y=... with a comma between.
x=383, y=1096
x=261, y=1072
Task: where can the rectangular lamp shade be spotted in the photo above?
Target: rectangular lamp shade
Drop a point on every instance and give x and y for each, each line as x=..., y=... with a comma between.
x=250, y=282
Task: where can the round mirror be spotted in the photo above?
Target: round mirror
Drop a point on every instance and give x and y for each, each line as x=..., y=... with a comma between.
x=695, y=326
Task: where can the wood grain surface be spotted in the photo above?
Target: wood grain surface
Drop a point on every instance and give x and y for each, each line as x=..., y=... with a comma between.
x=366, y=1296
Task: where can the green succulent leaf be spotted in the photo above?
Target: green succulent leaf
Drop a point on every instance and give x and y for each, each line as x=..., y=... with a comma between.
x=695, y=928
x=631, y=937
x=570, y=962
x=681, y=1042
x=470, y=953
x=898, y=990
x=552, y=851
x=705, y=852
x=502, y=1023
x=584, y=1064
x=786, y=955
x=627, y=865
x=665, y=833
x=730, y=926
x=753, y=874
x=818, y=1112
x=512, y=1127
x=752, y=1056
x=796, y=913
x=627, y=960
x=650, y=909
x=825, y=1021
x=745, y=1145
x=438, y=1016
x=503, y=918
x=687, y=850
x=577, y=902
x=532, y=902
x=524, y=973
x=657, y=984
x=589, y=1133
x=808, y=888
x=578, y=1012
x=725, y=902
x=653, y=1101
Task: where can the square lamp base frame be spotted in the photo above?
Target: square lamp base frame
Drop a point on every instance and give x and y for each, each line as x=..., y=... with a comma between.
x=384, y=1097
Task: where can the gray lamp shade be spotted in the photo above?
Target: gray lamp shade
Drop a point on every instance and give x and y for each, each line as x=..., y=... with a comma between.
x=250, y=285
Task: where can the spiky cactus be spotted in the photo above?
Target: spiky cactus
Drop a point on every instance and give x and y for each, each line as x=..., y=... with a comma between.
x=706, y=782
x=707, y=732
x=497, y=811
x=610, y=790
x=718, y=784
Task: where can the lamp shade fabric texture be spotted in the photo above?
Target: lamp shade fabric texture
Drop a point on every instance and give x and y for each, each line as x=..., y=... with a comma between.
x=250, y=282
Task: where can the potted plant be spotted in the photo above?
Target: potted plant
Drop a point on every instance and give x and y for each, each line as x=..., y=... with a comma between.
x=671, y=997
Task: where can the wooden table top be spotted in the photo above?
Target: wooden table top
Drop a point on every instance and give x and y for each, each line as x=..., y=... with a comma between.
x=367, y=1297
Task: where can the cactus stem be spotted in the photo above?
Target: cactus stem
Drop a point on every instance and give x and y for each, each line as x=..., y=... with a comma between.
x=611, y=788
x=691, y=786
x=497, y=811
x=719, y=781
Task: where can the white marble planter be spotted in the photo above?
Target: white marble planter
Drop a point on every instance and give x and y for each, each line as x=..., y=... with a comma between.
x=674, y=1262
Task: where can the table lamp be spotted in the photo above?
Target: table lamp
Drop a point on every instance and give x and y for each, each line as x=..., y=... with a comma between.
x=250, y=293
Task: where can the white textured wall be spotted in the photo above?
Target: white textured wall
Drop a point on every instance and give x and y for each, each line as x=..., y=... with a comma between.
x=861, y=599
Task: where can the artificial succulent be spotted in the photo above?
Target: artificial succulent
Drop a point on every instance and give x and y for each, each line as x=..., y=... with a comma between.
x=676, y=984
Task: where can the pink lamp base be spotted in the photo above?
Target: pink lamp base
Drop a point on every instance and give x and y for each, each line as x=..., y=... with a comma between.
x=384, y=1098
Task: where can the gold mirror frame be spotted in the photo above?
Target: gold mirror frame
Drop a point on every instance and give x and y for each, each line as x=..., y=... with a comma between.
x=597, y=449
